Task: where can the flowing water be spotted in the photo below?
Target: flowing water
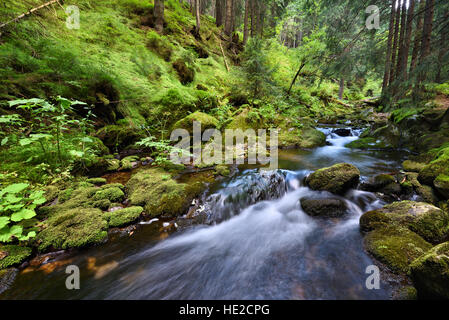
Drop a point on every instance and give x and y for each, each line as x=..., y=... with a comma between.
x=255, y=243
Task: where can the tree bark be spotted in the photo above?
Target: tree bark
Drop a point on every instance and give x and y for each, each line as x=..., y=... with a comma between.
x=198, y=16
x=246, y=26
x=158, y=14
x=389, y=48
x=228, y=19
x=418, y=35
x=408, y=38
x=395, y=41
x=296, y=77
x=427, y=34
x=401, y=48
x=219, y=8
x=442, y=49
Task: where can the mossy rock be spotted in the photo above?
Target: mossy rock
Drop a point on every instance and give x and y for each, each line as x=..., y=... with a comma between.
x=312, y=138
x=395, y=246
x=430, y=272
x=73, y=229
x=222, y=170
x=327, y=207
x=413, y=166
x=428, y=221
x=127, y=162
x=441, y=184
x=431, y=171
x=159, y=194
x=245, y=121
x=12, y=255
x=123, y=217
x=118, y=137
x=336, y=179
x=406, y=293
x=102, y=204
x=207, y=122
x=373, y=220
x=113, y=185
x=96, y=181
x=112, y=194
x=367, y=143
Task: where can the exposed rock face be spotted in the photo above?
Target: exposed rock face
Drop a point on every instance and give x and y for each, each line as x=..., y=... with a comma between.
x=326, y=207
x=336, y=179
x=430, y=272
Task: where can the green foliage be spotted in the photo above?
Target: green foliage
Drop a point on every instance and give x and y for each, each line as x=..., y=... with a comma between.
x=17, y=207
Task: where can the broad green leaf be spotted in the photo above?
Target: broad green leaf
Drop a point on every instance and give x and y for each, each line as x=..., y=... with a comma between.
x=86, y=139
x=14, y=207
x=75, y=153
x=23, y=215
x=5, y=234
x=4, y=141
x=14, y=188
x=11, y=198
x=25, y=101
x=25, y=141
x=3, y=222
x=30, y=234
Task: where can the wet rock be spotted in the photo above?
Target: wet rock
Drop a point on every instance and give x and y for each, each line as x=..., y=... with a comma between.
x=222, y=170
x=336, y=179
x=406, y=293
x=413, y=166
x=326, y=207
x=113, y=194
x=7, y=277
x=441, y=184
x=342, y=132
x=430, y=272
x=96, y=181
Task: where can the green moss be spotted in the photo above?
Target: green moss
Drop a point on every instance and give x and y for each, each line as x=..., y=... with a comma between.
x=103, y=204
x=73, y=228
x=395, y=246
x=222, y=170
x=113, y=185
x=367, y=143
x=312, y=138
x=112, y=194
x=127, y=162
x=207, y=122
x=430, y=272
x=96, y=181
x=159, y=194
x=413, y=166
x=441, y=183
x=428, y=221
x=246, y=119
x=336, y=179
x=373, y=220
x=13, y=255
x=123, y=217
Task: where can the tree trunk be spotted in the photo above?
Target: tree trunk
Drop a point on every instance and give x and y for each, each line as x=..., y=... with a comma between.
x=253, y=18
x=342, y=88
x=198, y=15
x=408, y=38
x=401, y=48
x=427, y=34
x=158, y=14
x=246, y=26
x=395, y=42
x=442, y=49
x=228, y=19
x=219, y=8
x=418, y=35
x=296, y=77
x=389, y=49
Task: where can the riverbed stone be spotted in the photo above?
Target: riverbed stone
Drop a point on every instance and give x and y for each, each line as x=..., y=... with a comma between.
x=325, y=207
x=413, y=166
x=336, y=179
x=430, y=272
x=441, y=184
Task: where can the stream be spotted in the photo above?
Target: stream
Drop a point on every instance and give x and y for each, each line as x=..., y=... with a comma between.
x=255, y=242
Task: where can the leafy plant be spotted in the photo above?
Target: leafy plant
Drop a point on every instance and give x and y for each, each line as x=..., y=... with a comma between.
x=17, y=205
x=161, y=148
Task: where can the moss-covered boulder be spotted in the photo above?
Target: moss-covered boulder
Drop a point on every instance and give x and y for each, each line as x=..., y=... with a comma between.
x=431, y=171
x=113, y=194
x=430, y=272
x=12, y=255
x=159, y=194
x=207, y=122
x=312, y=138
x=413, y=166
x=96, y=181
x=222, y=170
x=118, y=137
x=441, y=184
x=426, y=220
x=336, y=179
x=128, y=163
x=246, y=119
x=367, y=143
x=395, y=246
x=123, y=217
x=73, y=228
x=326, y=207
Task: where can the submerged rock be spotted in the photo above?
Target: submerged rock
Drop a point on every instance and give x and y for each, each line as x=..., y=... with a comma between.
x=326, y=207
x=336, y=179
x=430, y=272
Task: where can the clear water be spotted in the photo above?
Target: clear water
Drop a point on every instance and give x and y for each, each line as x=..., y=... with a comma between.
x=257, y=243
